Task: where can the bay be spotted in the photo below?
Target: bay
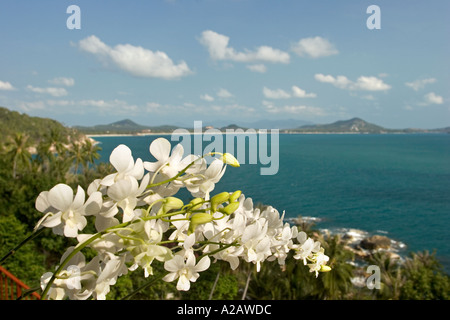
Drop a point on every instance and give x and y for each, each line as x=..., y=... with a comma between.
x=393, y=184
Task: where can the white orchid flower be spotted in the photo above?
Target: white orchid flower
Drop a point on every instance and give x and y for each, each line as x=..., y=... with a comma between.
x=122, y=159
x=185, y=270
x=201, y=184
x=256, y=243
x=167, y=163
x=69, y=279
x=126, y=193
x=113, y=268
x=307, y=247
x=65, y=212
x=319, y=261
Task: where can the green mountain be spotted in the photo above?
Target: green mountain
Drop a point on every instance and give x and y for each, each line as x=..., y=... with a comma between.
x=126, y=126
x=357, y=125
x=12, y=122
x=354, y=125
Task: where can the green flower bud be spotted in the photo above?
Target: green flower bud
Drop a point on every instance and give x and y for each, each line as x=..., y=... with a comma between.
x=235, y=195
x=229, y=209
x=196, y=203
x=171, y=203
x=201, y=218
x=219, y=199
x=228, y=158
x=197, y=219
x=324, y=268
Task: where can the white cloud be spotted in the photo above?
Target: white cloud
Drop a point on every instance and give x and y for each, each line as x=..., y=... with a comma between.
x=62, y=81
x=294, y=109
x=316, y=47
x=420, y=84
x=28, y=106
x=6, y=86
x=300, y=93
x=233, y=109
x=110, y=105
x=371, y=84
x=55, y=92
x=362, y=83
x=275, y=94
x=206, y=97
x=224, y=93
x=282, y=94
x=134, y=60
x=340, y=81
x=217, y=45
x=257, y=68
x=200, y=109
x=116, y=106
x=432, y=98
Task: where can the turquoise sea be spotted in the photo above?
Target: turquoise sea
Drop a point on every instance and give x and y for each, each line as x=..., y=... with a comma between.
x=392, y=184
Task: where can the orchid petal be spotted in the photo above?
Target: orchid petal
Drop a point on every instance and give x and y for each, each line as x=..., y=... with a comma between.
x=61, y=197
x=160, y=149
x=121, y=158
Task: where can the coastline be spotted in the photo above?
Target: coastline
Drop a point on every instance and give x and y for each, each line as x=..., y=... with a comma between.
x=251, y=132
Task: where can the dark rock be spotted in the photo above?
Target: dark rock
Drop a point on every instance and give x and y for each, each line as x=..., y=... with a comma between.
x=375, y=242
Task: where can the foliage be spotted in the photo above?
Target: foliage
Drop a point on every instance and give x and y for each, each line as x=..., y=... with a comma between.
x=12, y=122
x=424, y=278
x=292, y=282
x=28, y=265
x=23, y=174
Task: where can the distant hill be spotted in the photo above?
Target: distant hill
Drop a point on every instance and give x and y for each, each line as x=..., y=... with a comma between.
x=354, y=125
x=126, y=126
x=36, y=128
x=357, y=125
x=259, y=124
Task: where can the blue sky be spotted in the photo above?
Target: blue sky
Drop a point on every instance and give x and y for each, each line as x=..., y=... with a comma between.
x=173, y=62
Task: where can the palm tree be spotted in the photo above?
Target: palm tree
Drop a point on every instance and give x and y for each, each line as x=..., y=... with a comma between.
x=336, y=284
x=52, y=144
x=392, y=277
x=91, y=151
x=17, y=148
x=78, y=155
x=57, y=141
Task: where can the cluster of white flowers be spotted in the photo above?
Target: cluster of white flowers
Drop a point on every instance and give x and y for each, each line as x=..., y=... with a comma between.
x=138, y=220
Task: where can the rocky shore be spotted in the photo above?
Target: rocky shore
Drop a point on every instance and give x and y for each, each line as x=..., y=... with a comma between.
x=361, y=243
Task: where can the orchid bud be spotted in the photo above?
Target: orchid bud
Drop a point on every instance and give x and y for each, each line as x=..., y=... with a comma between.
x=196, y=203
x=235, y=195
x=324, y=268
x=201, y=218
x=171, y=203
x=228, y=158
x=229, y=209
x=219, y=199
x=197, y=219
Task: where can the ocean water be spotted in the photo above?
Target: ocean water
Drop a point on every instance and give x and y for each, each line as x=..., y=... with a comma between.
x=394, y=184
